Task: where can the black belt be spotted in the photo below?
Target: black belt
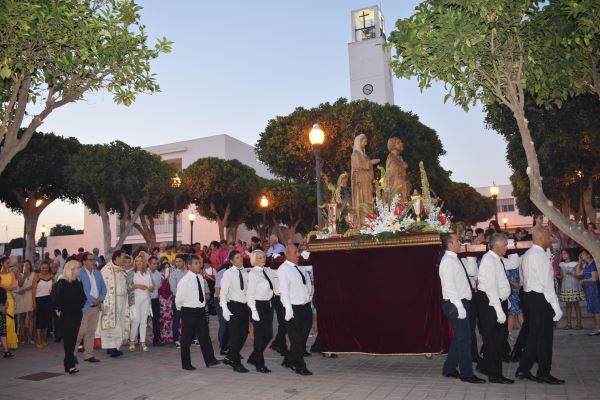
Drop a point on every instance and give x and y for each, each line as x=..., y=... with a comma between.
x=95, y=305
x=237, y=302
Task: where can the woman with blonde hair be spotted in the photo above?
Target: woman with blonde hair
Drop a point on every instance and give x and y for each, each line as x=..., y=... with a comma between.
x=69, y=298
x=142, y=286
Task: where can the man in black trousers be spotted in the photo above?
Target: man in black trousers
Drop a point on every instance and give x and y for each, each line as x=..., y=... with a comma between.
x=191, y=301
x=155, y=302
x=543, y=309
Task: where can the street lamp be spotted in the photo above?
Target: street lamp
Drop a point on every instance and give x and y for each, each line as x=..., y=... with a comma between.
x=175, y=185
x=264, y=203
x=505, y=222
x=317, y=137
x=43, y=232
x=494, y=191
x=192, y=218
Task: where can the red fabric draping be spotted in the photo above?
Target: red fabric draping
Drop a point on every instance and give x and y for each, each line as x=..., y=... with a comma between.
x=380, y=300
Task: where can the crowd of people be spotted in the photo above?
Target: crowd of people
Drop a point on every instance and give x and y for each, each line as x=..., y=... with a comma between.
x=503, y=291
x=165, y=296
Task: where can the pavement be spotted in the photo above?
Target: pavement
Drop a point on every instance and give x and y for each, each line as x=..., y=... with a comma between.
x=157, y=375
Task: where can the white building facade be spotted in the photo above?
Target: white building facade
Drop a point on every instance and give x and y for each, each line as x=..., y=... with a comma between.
x=507, y=209
x=181, y=155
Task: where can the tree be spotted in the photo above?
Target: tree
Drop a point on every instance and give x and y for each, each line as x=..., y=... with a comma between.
x=284, y=146
x=53, y=52
x=35, y=178
x=484, y=51
x=566, y=141
x=16, y=243
x=117, y=178
x=467, y=205
x=64, y=230
x=225, y=191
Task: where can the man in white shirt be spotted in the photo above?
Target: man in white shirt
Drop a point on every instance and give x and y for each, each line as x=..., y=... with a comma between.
x=493, y=307
x=176, y=275
x=457, y=292
x=191, y=302
x=155, y=302
x=296, y=294
x=543, y=306
x=275, y=248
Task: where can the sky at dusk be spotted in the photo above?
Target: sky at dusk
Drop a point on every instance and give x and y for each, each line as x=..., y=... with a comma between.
x=237, y=64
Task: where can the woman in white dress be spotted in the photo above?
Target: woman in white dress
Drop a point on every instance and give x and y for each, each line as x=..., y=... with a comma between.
x=570, y=290
x=142, y=286
x=24, y=304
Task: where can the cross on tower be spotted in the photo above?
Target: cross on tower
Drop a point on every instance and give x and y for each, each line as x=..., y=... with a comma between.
x=364, y=18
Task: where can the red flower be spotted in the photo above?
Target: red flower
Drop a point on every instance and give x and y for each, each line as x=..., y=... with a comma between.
x=398, y=210
x=372, y=216
x=442, y=219
x=394, y=222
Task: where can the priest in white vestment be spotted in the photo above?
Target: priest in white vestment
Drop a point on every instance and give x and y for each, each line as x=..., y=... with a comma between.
x=115, y=309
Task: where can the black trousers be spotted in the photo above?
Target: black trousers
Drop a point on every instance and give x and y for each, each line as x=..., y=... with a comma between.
x=194, y=325
x=263, y=332
x=459, y=354
x=494, y=338
x=155, y=304
x=473, y=326
x=238, y=329
x=176, y=320
x=524, y=332
x=541, y=335
x=298, y=329
x=69, y=323
x=281, y=330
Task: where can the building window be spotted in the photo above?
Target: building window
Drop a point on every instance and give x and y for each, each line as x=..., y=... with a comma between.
x=506, y=205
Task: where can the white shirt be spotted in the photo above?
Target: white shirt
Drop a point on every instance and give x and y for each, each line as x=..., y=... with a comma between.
x=258, y=286
x=538, y=275
x=156, y=281
x=230, y=286
x=293, y=290
x=275, y=250
x=93, y=287
x=139, y=279
x=187, y=291
x=492, y=279
x=455, y=285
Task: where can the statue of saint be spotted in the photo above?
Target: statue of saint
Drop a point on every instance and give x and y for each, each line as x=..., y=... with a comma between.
x=361, y=178
x=396, y=169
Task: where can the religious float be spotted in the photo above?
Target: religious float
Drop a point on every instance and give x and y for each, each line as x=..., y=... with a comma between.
x=375, y=262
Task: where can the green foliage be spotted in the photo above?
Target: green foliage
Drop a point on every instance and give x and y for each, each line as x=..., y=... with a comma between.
x=284, y=146
x=16, y=243
x=223, y=190
x=39, y=172
x=64, y=230
x=567, y=140
x=52, y=52
x=467, y=205
x=292, y=203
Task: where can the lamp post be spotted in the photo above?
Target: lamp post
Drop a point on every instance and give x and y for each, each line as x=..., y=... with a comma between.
x=317, y=137
x=505, y=222
x=175, y=185
x=264, y=203
x=494, y=191
x=43, y=232
x=191, y=218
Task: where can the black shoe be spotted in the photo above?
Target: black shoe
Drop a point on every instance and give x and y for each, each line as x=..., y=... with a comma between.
x=227, y=361
x=264, y=370
x=224, y=352
x=240, y=368
x=307, y=354
x=453, y=374
x=189, y=368
x=303, y=372
x=525, y=375
x=80, y=349
x=116, y=353
x=502, y=380
x=92, y=360
x=251, y=361
x=8, y=354
x=73, y=371
x=550, y=380
x=472, y=379
x=213, y=363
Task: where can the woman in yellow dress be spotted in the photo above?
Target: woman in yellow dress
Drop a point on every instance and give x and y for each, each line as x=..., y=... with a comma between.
x=9, y=283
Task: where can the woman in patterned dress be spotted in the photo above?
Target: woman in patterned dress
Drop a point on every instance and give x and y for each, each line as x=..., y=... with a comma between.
x=515, y=313
x=570, y=291
x=165, y=298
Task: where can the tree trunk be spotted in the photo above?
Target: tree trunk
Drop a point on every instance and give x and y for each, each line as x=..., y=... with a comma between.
x=126, y=223
x=232, y=232
x=587, y=202
x=146, y=229
x=31, y=214
x=540, y=200
x=221, y=222
x=278, y=230
x=106, y=234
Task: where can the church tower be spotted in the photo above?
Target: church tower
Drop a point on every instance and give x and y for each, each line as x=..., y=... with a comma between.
x=370, y=73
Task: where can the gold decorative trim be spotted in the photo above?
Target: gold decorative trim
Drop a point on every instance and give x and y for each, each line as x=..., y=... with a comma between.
x=427, y=355
x=415, y=239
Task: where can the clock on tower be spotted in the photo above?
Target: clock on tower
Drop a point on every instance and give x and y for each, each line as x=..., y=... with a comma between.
x=370, y=74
